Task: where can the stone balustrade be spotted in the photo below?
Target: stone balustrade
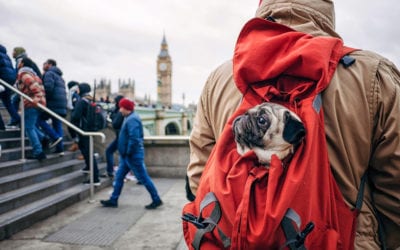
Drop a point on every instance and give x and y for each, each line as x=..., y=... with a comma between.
x=165, y=156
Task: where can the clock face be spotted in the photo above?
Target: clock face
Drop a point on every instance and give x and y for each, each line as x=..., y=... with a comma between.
x=163, y=66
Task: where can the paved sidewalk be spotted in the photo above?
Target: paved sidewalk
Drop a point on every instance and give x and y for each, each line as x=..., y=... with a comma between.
x=89, y=226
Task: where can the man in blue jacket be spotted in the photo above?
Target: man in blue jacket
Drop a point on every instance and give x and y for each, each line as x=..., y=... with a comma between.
x=7, y=74
x=131, y=150
x=56, y=99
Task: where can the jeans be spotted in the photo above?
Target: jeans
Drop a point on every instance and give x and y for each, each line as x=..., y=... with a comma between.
x=137, y=166
x=15, y=100
x=54, y=132
x=31, y=117
x=110, y=150
x=72, y=132
x=5, y=98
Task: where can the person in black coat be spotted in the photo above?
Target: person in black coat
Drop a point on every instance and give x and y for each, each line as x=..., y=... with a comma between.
x=7, y=74
x=77, y=119
x=117, y=120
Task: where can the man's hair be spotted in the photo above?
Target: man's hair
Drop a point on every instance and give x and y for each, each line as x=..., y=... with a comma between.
x=52, y=62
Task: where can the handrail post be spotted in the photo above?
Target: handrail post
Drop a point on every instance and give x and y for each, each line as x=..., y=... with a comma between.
x=22, y=127
x=91, y=156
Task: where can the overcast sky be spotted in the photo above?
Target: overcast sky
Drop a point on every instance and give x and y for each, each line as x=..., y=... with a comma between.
x=93, y=39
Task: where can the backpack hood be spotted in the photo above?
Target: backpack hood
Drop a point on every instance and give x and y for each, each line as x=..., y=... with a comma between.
x=315, y=17
x=273, y=58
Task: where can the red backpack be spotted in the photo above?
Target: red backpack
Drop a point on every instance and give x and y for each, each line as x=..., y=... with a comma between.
x=242, y=205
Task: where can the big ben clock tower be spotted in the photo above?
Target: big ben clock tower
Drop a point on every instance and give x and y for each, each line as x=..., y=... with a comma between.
x=164, y=75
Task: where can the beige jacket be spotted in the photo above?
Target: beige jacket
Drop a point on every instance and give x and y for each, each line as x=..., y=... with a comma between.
x=362, y=111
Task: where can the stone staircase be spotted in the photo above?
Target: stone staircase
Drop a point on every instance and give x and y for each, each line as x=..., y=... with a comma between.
x=31, y=191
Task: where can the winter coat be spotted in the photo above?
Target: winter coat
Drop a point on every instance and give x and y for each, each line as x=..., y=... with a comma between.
x=31, y=85
x=117, y=120
x=116, y=117
x=130, y=140
x=361, y=122
x=56, y=95
x=80, y=111
x=7, y=71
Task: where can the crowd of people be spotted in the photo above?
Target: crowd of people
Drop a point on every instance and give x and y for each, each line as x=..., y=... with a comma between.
x=70, y=101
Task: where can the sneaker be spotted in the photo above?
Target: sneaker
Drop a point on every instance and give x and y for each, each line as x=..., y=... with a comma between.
x=154, y=204
x=41, y=156
x=45, y=143
x=103, y=175
x=109, y=203
x=130, y=177
x=95, y=183
x=85, y=170
x=60, y=153
x=54, y=143
x=13, y=124
x=73, y=147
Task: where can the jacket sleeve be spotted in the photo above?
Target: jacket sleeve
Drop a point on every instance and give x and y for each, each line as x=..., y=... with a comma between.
x=385, y=159
x=133, y=127
x=202, y=141
x=77, y=113
x=210, y=118
x=117, y=120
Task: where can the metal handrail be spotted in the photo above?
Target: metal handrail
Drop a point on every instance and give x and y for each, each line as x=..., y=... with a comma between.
x=69, y=124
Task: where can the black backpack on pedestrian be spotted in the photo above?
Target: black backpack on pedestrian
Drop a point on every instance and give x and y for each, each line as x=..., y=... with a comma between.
x=95, y=118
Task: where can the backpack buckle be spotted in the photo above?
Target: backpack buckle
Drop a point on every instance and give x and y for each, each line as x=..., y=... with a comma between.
x=194, y=220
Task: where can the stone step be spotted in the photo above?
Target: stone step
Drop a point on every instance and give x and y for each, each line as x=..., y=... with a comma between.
x=25, y=178
x=16, y=166
x=20, y=197
x=14, y=153
x=7, y=143
x=23, y=217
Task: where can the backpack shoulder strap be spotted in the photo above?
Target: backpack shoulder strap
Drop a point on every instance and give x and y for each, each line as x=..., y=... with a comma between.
x=205, y=225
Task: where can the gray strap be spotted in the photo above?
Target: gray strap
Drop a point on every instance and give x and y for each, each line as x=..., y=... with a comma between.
x=290, y=231
x=317, y=103
x=211, y=221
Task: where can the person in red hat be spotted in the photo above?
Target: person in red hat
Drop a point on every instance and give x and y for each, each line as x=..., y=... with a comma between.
x=131, y=151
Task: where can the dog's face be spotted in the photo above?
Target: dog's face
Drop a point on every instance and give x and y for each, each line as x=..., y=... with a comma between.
x=268, y=129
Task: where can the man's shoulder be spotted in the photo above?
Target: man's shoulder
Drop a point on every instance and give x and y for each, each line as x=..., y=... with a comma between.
x=370, y=58
x=133, y=117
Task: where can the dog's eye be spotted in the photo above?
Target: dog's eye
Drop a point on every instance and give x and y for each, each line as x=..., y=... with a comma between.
x=261, y=120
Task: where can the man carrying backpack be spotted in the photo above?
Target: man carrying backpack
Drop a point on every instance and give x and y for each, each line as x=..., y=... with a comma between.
x=77, y=118
x=361, y=106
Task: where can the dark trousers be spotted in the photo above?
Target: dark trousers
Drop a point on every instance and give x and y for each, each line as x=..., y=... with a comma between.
x=84, y=148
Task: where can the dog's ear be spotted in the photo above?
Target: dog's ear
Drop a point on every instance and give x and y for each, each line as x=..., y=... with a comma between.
x=294, y=130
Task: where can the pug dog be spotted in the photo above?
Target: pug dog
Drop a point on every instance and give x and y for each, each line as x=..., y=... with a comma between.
x=268, y=129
